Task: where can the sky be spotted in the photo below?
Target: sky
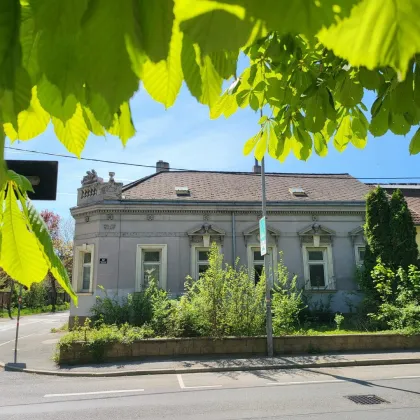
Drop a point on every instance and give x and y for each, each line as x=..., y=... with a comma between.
x=186, y=137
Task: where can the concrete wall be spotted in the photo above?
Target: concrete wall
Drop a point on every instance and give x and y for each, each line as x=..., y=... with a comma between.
x=117, y=231
x=79, y=353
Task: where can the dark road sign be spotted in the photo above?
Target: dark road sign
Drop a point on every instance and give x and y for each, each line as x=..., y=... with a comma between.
x=41, y=173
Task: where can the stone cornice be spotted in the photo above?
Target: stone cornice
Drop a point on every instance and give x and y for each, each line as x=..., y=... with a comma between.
x=309, y=210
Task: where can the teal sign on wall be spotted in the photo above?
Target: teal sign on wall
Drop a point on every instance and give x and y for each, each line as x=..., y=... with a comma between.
x=263, y=236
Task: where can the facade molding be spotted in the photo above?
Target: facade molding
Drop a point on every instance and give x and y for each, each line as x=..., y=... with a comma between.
x=83, y=212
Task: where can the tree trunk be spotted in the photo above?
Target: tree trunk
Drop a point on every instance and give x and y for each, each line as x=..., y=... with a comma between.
x=54, y=293
x=9, y=303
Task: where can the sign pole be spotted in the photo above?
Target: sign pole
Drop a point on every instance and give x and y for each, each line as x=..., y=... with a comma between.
x=17, y=322
x=263, y=240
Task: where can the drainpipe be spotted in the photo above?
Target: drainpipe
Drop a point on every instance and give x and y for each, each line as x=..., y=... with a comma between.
x=233, y=239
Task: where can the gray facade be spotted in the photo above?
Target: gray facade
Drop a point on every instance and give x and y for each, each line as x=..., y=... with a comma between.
x=317, y=238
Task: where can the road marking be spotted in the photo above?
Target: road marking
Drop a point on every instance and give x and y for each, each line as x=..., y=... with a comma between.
x=182, y=384
x=406, y=377
x=77, y=394
x=12, y=341
x=305, y=382
x=22, y=324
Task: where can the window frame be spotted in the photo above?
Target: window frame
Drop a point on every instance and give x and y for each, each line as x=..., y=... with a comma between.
x=141, y=249
x=80, y=251
x=357, y=248
x=327, y=262
x=195, y=249
x=271, y=251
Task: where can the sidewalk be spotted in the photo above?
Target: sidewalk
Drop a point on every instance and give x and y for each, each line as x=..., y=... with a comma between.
x=37, y=344
x=201, y=364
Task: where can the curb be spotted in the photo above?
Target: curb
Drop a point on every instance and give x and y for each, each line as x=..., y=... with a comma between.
x=344, y=363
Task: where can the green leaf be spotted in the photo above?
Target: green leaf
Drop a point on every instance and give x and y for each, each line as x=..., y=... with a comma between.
x=123, y=125
x=250, y=144
x=275, y=91
x=163, y=80
x=379, y=124
x=21, y=181
x=191, y=67
x=398, y=124
x=263, y=119
x=226, y=105
x=59, y=47
x=40, y=230
x=402, y=97
x=211, y=82
x=51, y=100
x=351, y=92
x=31, y=122
x=29, y=39
x=92, y=123
x=396, y=28
x=13, y=101
x=415, y=143
x=315, y=113
x=108, y=27
x=155, y=20
x=208, y=30
x=359, y=126
x=298, y=16
x=242, y=97
x=225, y=63
x=261, y=147
x=303, y=145
x=21, y=257
x=369, y=79
x=321, y=147
x=344, y=134
x=10, y=50
x=416, y=94
x=73, y=133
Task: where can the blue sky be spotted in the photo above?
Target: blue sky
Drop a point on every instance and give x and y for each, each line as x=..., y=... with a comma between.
x=185, y=137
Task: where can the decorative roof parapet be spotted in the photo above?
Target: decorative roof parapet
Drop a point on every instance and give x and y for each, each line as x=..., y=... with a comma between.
x=94, y=189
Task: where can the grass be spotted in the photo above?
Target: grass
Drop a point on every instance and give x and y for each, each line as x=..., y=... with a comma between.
x=33, y=311
x=63, y=328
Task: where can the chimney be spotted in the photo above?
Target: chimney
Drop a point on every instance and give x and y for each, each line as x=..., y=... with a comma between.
x=257, y=168
x=162, y=166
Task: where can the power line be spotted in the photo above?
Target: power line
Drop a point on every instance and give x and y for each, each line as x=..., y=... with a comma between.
x=283, y=175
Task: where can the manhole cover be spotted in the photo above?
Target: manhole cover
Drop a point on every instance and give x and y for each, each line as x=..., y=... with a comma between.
x=366, y=399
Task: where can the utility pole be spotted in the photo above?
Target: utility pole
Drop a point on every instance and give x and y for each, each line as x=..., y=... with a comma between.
x=269, y=323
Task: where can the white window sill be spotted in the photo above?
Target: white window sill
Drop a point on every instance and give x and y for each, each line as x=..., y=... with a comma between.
x=315, y=290
x=84, y=293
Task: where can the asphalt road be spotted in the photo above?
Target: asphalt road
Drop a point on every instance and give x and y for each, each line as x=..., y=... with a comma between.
x=302, y=393
x=34, y=332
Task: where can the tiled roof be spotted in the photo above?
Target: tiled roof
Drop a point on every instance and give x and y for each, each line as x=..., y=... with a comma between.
x=411, y=193
x=246, y=187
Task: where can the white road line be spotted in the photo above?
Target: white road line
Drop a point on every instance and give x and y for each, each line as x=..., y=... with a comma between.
x=76, y=394
x=304, y=382
x=406, y=377
x=22, y=324
x=182, y=384
x=12, y=341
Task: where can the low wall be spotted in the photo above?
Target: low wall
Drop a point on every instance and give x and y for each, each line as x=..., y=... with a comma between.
x=78, y=353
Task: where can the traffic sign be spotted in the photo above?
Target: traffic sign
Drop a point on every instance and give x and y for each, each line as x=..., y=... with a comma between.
x=263, y=236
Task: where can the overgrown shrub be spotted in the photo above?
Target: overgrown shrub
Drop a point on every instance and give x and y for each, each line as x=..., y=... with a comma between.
x=287, y=301
x=149, y=306
x=399, y=295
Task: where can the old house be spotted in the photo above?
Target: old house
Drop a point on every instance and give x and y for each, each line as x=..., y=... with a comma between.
x=162, y=226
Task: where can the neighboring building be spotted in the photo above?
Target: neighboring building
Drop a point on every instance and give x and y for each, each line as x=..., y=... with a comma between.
x=411, y=192
x=163, y=225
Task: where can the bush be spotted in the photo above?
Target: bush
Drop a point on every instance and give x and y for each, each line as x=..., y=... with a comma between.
x=399, y=295
x=148, y=306
x=287, y=301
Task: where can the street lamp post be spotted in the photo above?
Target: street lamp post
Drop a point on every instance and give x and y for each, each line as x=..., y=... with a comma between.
x=269, y=323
